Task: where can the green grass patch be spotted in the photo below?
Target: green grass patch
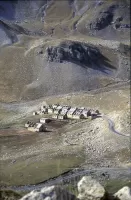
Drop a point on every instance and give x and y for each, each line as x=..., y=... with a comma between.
x=28, y=172
x=113, y=186
x=9, y=195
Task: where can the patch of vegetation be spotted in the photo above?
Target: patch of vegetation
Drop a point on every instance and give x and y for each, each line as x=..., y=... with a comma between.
x=36, y=172
x=113, y=186
x=72, y=189
x=9, y=195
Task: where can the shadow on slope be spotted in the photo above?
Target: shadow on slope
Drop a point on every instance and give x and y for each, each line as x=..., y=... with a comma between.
x=9, y=33
x=22, y=10
x=86, y=56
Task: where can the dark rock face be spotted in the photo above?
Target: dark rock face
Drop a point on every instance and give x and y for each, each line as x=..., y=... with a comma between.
x=102, y=16
x=73, y=52
x=84, y=55
x=104, y=19
x=109, y=21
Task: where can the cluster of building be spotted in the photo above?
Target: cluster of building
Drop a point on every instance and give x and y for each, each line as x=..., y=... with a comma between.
x=67, y=112
x=59, y=112
x=35, y=127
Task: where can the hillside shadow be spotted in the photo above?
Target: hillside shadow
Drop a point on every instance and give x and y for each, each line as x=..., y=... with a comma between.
x=7, y=10
x=84, y=55
x=97, y=62
x=102, y=64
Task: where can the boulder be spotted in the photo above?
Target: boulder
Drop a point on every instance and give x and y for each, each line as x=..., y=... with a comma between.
x=49, y=193
x=123, y=194
x=75, y=52
x=104, y=20
x=90, y=189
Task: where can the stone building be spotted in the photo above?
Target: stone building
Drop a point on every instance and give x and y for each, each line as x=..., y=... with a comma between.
x=77, y=114
x=70, y=113
x=44, y=109
x=38, y=127
x=57, y=110
x=50, y=110
x=29, y=124
x=86, y=113
x=44, y=120
x=54, y=106
x=64, y=110
x=55, y=116
x=62, y=117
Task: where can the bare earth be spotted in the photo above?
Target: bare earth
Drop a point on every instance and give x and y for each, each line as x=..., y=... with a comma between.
x=89, y=144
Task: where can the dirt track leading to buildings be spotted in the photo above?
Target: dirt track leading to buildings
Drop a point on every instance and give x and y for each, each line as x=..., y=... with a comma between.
x=79, y=143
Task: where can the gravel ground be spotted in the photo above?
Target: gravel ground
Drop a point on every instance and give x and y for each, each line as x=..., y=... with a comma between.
x=88, y=144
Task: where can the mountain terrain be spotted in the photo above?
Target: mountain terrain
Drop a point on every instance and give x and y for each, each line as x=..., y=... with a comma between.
x=52, y=47
x=68, y=52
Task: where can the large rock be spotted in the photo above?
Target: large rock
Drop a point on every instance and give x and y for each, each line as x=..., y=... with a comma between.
x=49, y=193
x=104, y=19
x=90, y=189
x=75, y=52
x=123, y=194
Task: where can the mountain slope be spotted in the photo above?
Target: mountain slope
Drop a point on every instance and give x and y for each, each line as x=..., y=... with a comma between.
x=52, y=47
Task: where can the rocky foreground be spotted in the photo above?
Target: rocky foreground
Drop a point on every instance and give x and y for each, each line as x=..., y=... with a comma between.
x=88, y=189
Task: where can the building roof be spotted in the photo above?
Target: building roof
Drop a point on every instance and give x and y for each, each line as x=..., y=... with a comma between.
x=78, y=111
x=50, y=108
x=85, y=111
x=38, y=125
x=82, y=108
x=63, y=112
x=66, y=107
x=55, y=105
x=71, y=110
x=59, y=108
x=44, y=118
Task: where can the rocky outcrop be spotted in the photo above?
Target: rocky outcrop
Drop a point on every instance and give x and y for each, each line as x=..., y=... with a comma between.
x=102, y=13
x=123, y=194
x=73, y=52
x=82, y=54
x=90, y=189
x=104, y=18
x=49, y=193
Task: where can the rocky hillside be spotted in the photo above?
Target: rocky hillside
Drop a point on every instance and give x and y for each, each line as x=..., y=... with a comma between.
x=101, y=18
x=53, y=47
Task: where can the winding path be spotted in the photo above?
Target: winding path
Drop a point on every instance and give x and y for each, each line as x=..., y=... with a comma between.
x=112, y=126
